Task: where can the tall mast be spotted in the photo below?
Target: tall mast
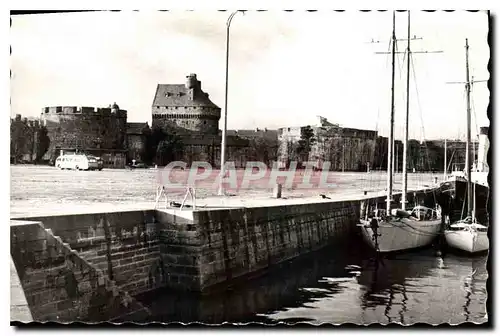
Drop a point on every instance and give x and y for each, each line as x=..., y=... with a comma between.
x=394, y=157
x=445, y=158
x=396, y=160
x=405, y=136
x=468, y=159
x=391, y=132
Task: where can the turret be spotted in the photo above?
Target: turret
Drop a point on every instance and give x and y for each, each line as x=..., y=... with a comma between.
x=191, y=81
x=115, y=108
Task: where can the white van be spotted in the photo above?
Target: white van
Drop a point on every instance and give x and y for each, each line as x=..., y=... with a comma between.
x=77, y=162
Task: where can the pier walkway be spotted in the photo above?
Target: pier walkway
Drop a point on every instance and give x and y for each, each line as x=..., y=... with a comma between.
x=19, y=309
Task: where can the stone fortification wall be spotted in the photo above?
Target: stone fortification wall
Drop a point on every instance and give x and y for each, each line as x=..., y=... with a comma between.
x=84, y=128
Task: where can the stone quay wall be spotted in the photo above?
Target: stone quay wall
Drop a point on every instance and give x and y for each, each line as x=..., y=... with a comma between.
x=218, y=246
x=91, y=266
x=221, y=245
x=60, y=285
x=123, y=245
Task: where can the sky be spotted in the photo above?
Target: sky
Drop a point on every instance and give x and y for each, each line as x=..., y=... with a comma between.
x=285, y=68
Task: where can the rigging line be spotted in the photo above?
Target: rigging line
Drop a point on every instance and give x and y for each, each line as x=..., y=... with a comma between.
x=474, y=113
x=461, y=132
x=401, y=92
x=421, y=117
x=372, y=182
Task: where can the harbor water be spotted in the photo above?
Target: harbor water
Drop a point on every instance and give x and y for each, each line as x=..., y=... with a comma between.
x=344, y=285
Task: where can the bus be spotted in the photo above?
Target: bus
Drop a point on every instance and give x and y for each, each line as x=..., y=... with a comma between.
x=79, y=162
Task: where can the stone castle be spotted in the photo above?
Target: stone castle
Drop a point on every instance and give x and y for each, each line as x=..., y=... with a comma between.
x=98, y=131
x=185, y=108
x=180, y=109
x=187, y=111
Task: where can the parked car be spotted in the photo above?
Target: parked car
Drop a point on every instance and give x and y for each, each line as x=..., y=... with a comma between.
x=135, y=165
x=100, y=162
x=78, y=162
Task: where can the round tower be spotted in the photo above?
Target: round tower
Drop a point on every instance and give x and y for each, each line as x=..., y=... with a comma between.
x=85, y=127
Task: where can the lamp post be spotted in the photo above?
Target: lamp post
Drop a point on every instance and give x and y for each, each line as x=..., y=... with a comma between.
x=224, y=129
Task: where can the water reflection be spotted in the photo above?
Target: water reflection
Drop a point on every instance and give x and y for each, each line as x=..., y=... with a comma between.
x=339, y=285
x=384, y=283
x=420, y=287
x=291, y=286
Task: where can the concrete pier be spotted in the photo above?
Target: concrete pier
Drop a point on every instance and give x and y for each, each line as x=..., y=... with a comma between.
x=77, y=266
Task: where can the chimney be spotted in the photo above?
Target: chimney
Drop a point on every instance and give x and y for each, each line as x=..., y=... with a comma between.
x=191, y=81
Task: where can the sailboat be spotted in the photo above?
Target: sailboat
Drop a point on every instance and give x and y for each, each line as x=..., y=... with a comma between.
x=399, y=230
x=467, y=234
x=455, y=187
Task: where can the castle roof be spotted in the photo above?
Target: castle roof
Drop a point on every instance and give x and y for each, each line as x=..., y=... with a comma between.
x=177, y=95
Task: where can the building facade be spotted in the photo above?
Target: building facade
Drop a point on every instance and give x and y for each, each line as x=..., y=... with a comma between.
x=346, y=149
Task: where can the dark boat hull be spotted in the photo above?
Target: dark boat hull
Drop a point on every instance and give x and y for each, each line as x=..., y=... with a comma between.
x=453, y=200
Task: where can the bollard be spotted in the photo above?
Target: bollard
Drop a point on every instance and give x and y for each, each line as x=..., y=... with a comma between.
x=277, y=191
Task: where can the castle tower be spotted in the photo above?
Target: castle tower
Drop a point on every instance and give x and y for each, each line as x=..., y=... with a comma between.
x=101, y=131
x=115, y=108
x=185, y=108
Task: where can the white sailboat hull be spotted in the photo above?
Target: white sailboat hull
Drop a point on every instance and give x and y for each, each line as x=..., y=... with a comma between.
x=468, y=241
x=401, y=234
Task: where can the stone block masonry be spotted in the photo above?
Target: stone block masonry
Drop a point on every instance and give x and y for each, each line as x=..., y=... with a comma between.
x=123, y=245
x=221, y=245
x=61, y=286
x=209, y=247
